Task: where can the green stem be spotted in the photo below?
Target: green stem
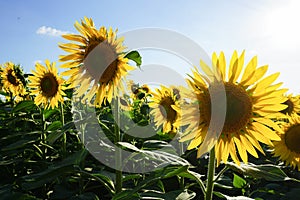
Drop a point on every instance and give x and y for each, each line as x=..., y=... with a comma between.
x=210, y=175
x=181, y=180
x=43, y=135
x=118, y=150
x=64, y=146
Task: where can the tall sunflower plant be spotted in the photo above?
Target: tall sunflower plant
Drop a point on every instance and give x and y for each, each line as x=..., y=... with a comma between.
x=232, y=133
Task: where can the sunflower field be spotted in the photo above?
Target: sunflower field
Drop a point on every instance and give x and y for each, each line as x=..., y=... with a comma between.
x=83, y=130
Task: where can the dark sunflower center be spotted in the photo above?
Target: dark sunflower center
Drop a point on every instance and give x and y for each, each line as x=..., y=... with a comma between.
x=176, y=93
x=49, y=85
x=238, y=106
x=292, y=138
x=290, y=107
x=11, y=78
x=101, y=61
x=166, y=109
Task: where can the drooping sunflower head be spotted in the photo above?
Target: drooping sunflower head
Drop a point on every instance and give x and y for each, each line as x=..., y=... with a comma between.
x=166, y=109
x=12, y=79
x=242, y=104
x=47, y=86
x=96, y=61
x=293, y=105
x=137, y=91
x=288, y=148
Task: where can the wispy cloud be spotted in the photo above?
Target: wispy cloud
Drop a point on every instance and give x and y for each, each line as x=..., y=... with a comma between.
x=44, y=30
x=37, y=61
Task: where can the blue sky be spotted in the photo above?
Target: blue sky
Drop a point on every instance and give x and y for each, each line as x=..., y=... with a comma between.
x=30, y=30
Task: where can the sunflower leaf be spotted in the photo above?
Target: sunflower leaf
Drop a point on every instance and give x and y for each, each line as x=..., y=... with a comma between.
x=219, y=194
x=238, y=181
x=24, y=106
x=134, y=56
x=267, y=171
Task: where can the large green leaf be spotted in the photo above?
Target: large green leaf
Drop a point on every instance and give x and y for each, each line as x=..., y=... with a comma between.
x=50, y=112
x=157, y=145
x=24, y=106
x=172, y=195
x=153, y=178
x=67, y=165
x=268, y=172
x=54, y=126
x=85, y=196
x=18, y=144
x=161, y=157
x=134, y=56
x=55, y=135
x=219, y=194
x=7, y=193
x=238, y=181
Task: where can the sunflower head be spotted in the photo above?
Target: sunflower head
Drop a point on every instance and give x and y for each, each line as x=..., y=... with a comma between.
x=288, y=148
x=241, y=101
x=138, y=92
x=47, y=85
x=293, y=105
x=166, y=109
x=96, y=61
x=12, y=79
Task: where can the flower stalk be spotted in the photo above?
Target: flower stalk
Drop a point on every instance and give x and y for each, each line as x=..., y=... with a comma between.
x=210, y=175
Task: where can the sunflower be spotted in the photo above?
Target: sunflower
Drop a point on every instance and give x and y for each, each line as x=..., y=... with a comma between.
x=251, y=101
x=96, y=62
x=134, y=96
x=47, y=85
x=288, y=149
x=166, y=108
x=10, y=80
x=137, y=91
x=293, y=103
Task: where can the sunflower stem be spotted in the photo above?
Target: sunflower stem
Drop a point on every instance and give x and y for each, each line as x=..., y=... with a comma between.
x=43, y=135
x=210, y=174
x=118, y=150
x=64, y=146
x=181, y=152
x=11, y=99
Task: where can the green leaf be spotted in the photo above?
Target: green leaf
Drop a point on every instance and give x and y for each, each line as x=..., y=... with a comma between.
x=219, y=194
x=68, y=165
x=85, y=196
x=24, y=106
x=50, y=112
x=55, y=135
x=135, y=56
x=173, y=195
x=127, y=194
x=129, y=146
x=106, y=181
x=268, y=172
x=194, y=176
x=158, y=144
x=128, y=177
x=160, y=158
x=238, y=181
x=153, y=178
x=18, y=144
x=185, y=195
x=54, y=126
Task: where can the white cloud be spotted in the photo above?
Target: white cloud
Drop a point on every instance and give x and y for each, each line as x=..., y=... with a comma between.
x=37, y=61
x=44, y=30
